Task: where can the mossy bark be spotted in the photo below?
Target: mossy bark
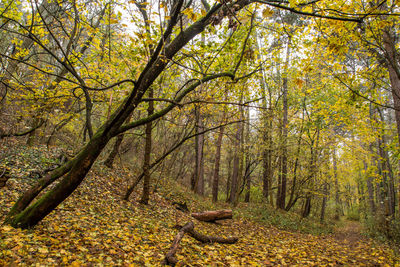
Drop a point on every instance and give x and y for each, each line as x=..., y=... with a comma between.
x=43, y=206
x=35, y=190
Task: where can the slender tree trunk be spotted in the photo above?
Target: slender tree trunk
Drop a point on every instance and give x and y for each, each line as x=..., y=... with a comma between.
x=198, y=177
x=229, y=178
x=279, y=187
x=236, y=166
x=361, y=195
x=267, y=124
x=324, y=200
x=246, y=147
x=307, y=207
x=292, y=199
x=392, y=58
x=283, y=179
x=337, y=190
x=370, y=188
x=216, y=166
x=147, y=153
x=114, y=152
x=248, y=187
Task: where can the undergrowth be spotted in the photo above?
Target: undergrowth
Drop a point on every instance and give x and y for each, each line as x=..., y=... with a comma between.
x=259, y=212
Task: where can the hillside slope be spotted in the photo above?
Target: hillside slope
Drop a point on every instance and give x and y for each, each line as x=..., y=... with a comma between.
x=95, y=227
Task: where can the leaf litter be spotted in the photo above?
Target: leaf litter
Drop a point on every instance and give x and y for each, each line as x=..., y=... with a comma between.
x=95, y=227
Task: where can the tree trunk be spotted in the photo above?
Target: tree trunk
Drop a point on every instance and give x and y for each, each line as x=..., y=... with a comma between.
x=198, y=177
x=267, y=124
x=292, y=198
x=370, y=188
x=147, y=153
x=283, y=179
x=324, y=199
x=307, y=207
x=114, y=152
x=229, y=178
x=337, y=190
x=233, y=197
x=248, y=187
x=37, y=211
x=216, y=166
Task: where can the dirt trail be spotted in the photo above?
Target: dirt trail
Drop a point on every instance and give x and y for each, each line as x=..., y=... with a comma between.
x=349, y=233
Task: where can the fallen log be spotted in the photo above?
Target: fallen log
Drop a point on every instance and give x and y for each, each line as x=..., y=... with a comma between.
x=207, y=238
x=212, y=216
x=170, y=257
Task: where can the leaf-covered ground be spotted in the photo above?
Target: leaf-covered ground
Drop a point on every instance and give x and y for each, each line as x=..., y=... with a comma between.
x=94, y=227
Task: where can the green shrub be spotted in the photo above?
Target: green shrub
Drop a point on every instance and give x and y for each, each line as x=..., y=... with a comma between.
x=353, y=214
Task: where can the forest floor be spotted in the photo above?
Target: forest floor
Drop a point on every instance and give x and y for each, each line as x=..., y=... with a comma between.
x=94, y=227
x=350, y=232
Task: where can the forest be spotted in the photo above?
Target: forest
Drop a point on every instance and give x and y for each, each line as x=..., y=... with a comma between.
x=211, y=132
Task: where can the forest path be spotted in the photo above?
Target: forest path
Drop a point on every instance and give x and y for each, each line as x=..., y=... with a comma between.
x=349, y=232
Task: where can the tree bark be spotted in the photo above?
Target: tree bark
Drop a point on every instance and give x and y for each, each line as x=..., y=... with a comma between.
x=236, y=168
x=229, y=178
x=147, y=154
x=283, y=180
x=292, y=198
x=370, y=188
x=216, y=166
x=307, y=207
x=324, y=200
x=212, y=216
x=337, y=190
x=114, y=152
x=198, y=176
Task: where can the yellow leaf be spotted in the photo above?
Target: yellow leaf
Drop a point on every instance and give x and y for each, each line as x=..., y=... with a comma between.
x=43, y=250
x=267, y=12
